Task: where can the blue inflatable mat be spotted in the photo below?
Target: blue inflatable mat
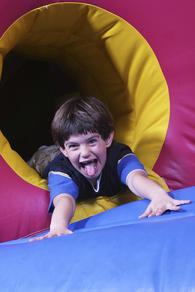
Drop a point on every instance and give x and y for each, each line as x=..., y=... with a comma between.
x=110, y=252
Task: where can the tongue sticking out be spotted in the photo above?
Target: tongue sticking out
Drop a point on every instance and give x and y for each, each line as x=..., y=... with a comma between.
x=90, y=169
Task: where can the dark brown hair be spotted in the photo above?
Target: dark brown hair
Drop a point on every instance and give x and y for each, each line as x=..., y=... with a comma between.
x=80, y=115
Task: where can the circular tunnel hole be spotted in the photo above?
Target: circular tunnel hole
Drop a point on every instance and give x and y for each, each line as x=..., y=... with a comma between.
x=82, y=41
x=31, y=90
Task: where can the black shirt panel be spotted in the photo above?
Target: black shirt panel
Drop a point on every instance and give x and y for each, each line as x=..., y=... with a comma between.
x=110, y=183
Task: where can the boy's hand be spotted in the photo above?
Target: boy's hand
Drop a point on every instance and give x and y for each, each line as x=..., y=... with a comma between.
x=53, y=232
x=162, y=203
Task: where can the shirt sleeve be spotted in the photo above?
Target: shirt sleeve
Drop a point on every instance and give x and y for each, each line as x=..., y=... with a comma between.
x=127, y=164
x=60, y=183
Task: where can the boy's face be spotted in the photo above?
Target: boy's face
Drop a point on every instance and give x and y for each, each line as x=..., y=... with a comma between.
x=87, y=153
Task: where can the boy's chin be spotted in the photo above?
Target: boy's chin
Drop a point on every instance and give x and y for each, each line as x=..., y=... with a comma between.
x=91, y=178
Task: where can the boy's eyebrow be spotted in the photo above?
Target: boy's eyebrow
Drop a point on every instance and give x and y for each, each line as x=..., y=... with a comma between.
x=88, y=139
x=94, y=136
x=71, y=142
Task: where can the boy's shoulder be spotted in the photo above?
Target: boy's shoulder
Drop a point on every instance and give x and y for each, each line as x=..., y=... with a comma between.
x=117, y=147
x=59, y=163
x=117, y=150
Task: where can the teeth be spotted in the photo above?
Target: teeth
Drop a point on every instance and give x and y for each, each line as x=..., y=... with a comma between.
x=84, y=163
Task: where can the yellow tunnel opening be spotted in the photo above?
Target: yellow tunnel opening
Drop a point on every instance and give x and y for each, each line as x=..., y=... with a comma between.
x=85, y=49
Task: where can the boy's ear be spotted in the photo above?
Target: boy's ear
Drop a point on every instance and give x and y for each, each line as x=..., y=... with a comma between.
x=109, y=139
x=63, y=150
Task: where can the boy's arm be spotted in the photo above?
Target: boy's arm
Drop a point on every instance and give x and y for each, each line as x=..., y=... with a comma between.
x=139, y=183
x=64, y=210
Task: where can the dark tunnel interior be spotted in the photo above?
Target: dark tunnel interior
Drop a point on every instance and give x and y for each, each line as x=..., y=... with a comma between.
x=31, y=90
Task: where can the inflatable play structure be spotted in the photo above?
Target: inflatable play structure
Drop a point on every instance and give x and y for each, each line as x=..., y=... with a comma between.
x=138, y=57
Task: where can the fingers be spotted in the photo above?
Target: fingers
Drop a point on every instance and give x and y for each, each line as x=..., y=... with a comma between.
x=151, y=213
x=50, y=235
x=182, y=202
x=173, y=205
x=157, y=211
x=148, y=213
x=38, y=238
x=69, y=232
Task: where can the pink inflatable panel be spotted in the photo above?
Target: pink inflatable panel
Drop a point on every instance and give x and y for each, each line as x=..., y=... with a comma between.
x=168, y=26
x=24, y=205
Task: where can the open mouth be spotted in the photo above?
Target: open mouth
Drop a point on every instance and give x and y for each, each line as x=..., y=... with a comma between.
x=89, y=167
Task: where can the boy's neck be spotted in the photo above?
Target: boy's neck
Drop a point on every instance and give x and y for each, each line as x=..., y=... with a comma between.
x=95, y=183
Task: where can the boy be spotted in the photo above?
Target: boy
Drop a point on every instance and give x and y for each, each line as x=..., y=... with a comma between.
x=92, y=164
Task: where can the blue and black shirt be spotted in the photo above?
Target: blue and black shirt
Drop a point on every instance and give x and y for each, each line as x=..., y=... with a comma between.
x=64, y=178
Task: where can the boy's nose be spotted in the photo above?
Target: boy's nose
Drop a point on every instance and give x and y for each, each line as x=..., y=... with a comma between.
x=84, y=151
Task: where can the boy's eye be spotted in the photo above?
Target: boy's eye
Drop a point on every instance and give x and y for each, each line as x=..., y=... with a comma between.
x=92, y=141
x=73, y=146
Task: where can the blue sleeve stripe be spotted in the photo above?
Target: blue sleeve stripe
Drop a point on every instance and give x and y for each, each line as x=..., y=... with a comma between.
x=127, y=164
x=59, y=184
x=60, y=173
